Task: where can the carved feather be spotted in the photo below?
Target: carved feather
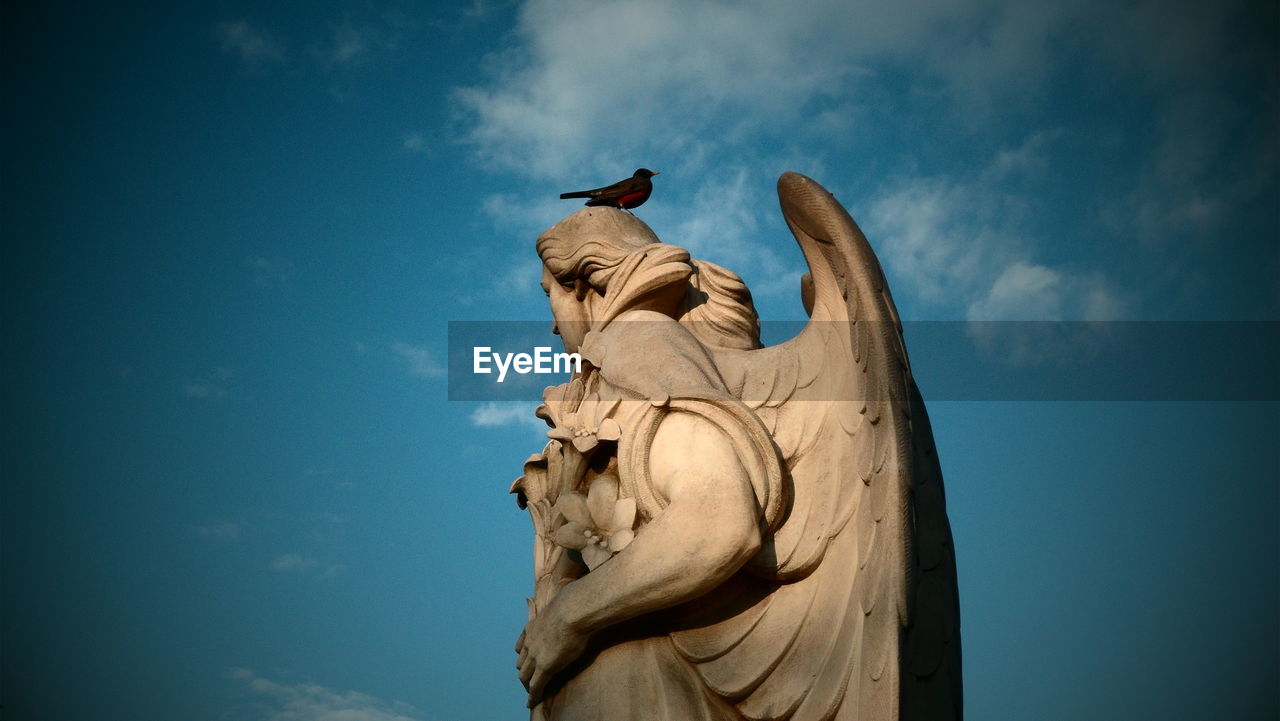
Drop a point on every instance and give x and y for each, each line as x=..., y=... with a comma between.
x=864, y=622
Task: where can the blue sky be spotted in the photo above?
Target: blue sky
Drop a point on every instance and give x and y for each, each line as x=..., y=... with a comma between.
x=233, y=487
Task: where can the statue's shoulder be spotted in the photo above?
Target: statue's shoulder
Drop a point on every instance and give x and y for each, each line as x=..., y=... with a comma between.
x=631, y=333
x=648, y=354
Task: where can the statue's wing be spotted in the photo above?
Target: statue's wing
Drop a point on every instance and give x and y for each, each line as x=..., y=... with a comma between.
x=865, y=623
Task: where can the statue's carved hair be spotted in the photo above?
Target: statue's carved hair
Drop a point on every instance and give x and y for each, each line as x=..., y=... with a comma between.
x=716, y=305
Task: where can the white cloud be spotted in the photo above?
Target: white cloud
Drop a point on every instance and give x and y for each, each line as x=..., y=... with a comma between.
x=303, y=565
x=1033, y=292
x=934, y=235
x=353, y=42
x=588, y=89
x=333, y=570
x=350, y=43
x=251, y=44
x=311, y=702
x=719, y=96
x=480, y=10
x=964, y=248
x=493, y=414
x=589, y=83
x=421, y=362
x=414, y=142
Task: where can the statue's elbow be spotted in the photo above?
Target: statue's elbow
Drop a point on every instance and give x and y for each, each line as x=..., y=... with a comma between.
x=734, y=543
x=749, y=548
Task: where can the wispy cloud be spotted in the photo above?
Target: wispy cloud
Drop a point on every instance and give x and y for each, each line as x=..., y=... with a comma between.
x=481, y=10
x=353, y=42
x=706, y=82
x=704, y=76
x=583, y=69
x=728, y=95
x=493, y=414
x=252, y=44
x=420, y=361
x=356, y=40
x=414, y=142
x=305, y=565
x=967, y=248
x=270, y=272
x=1193, y=181
x=1024, y=291
x=213, y=385
x=312, y=702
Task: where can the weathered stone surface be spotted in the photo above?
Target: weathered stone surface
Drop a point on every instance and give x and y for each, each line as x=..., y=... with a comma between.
x=724, y=531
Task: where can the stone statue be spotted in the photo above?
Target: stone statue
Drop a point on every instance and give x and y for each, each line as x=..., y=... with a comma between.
x=725, y=531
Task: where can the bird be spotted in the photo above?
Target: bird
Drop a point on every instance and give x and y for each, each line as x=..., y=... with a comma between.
x=624, y=194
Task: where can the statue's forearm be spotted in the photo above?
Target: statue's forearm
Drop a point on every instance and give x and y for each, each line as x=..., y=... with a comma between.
x=694, y=545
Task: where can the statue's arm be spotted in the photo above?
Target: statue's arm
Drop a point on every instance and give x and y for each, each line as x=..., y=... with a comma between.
x=709, y=529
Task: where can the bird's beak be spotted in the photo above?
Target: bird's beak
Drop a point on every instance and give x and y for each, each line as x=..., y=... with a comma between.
x=657, y=173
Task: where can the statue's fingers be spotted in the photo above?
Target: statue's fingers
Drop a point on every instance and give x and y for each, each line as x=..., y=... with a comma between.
x=520, y=643
x=526, y=672
x=524, y=656
x=535, y=688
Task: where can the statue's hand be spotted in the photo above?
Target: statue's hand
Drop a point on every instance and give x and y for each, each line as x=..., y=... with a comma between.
x=548, y=644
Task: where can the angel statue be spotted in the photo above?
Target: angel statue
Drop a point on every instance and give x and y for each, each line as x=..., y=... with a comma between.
x=728, y=531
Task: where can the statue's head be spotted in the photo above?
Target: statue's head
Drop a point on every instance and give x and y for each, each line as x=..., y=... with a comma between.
x=604, y=261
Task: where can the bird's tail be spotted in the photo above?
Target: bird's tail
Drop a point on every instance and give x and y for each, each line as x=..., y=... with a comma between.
x=577, y=194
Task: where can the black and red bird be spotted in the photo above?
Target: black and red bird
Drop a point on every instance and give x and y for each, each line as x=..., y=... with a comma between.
x=626, y=194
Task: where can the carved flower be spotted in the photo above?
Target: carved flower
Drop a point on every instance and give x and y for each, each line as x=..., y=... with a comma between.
x=578, y=417
x=560, y=401
x=584, y=435
x=597, y=525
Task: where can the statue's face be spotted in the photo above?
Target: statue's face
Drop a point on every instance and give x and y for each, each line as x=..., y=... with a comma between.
x=572, y=316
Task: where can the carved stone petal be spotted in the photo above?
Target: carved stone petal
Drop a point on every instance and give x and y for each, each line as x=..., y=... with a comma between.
x=571, y=535
x=602, y=500
x=621, y=540
x=609, y=430
x=517, y=487
x=584, y=444
x=573, y=392
x=574, y=508
x=594, y=555
x=624, y=515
